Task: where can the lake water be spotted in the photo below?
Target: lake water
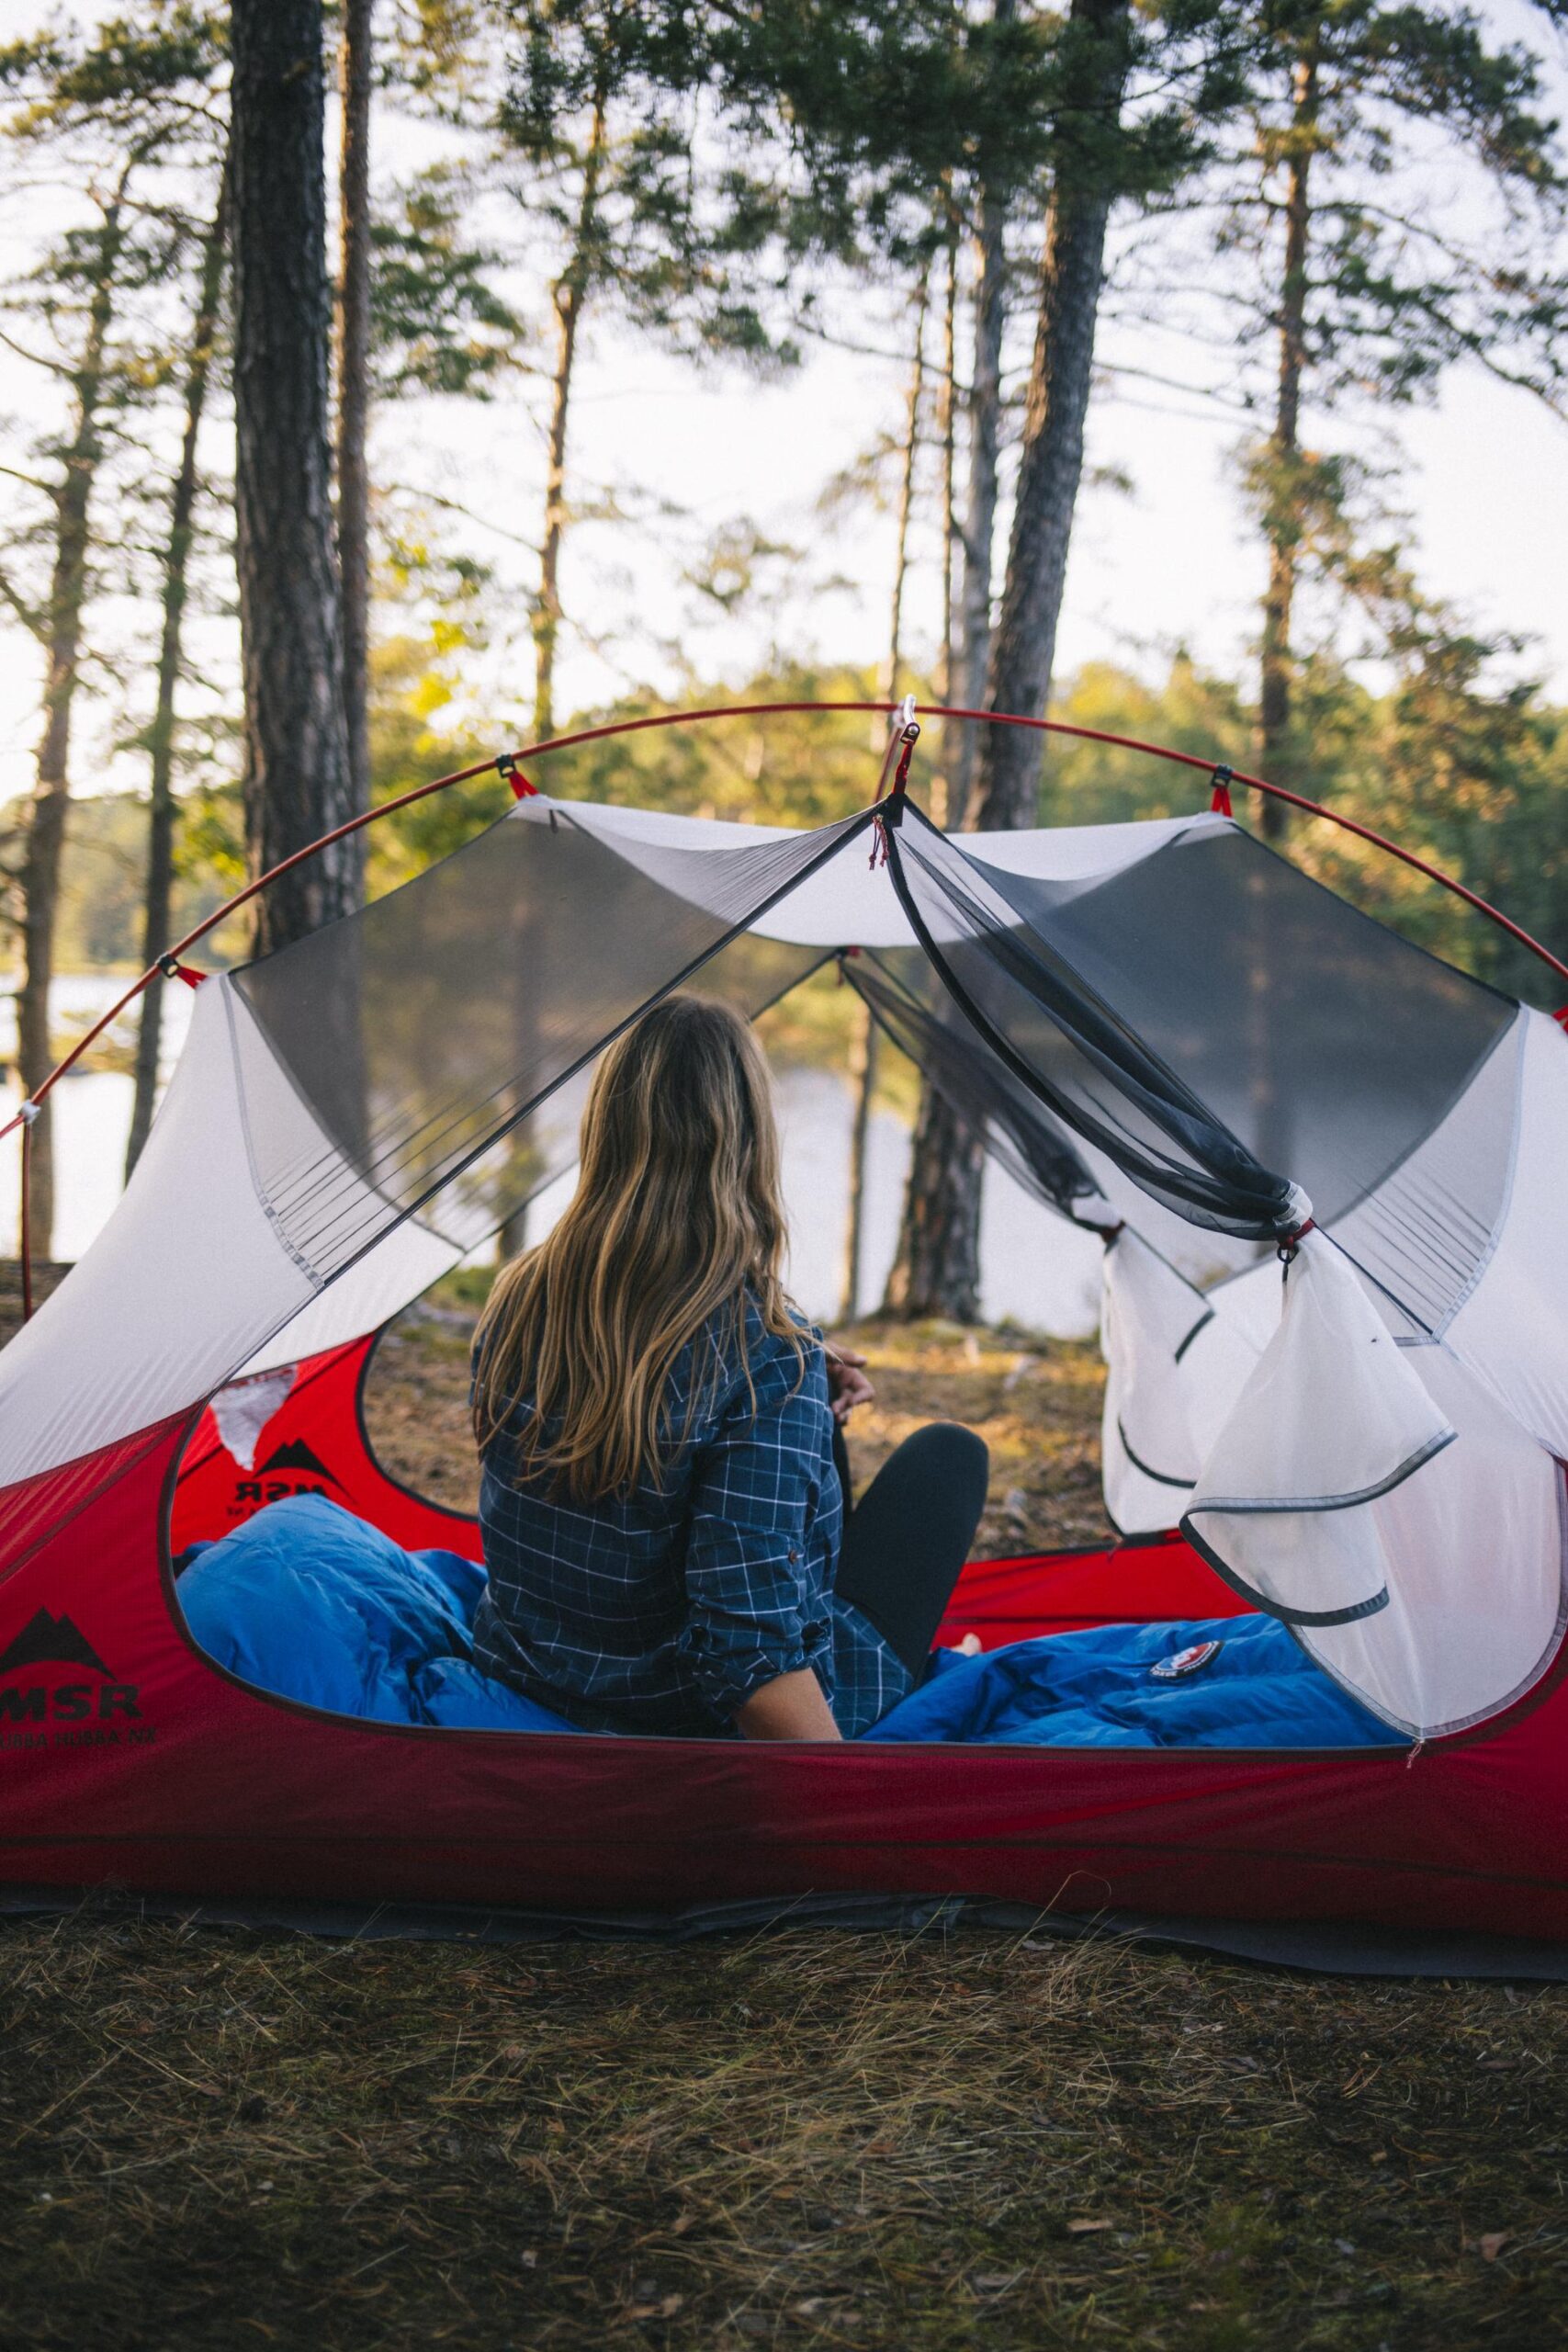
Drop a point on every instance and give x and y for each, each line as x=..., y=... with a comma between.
x=1034, y=1269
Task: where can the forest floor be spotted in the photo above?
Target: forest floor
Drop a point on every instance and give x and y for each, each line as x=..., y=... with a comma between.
x=212, y=2138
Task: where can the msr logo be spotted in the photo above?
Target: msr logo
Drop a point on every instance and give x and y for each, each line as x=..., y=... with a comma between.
x=292, y=1469
x=60, y=1697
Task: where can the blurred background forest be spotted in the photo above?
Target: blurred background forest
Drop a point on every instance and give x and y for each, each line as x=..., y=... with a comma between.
x=624, y=357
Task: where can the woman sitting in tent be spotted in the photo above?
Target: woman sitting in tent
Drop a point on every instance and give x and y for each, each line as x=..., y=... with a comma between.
x=664, y=1504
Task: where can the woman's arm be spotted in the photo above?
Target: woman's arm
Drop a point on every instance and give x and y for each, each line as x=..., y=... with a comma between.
x=758, y=1624
x=792, y=1707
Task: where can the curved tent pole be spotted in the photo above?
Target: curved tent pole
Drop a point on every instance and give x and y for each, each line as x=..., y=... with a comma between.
x=507, y=762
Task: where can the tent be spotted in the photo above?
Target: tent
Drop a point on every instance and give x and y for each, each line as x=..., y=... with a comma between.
x=1326, y=1166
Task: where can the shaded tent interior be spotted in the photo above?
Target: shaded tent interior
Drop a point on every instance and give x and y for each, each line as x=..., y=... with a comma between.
x=1122, y=1008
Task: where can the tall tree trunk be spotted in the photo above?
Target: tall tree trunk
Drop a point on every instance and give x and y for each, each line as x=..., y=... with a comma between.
x=980, y=518
x=863, y=1075
x=1282, y=507
x=947, y=434
x=570, y=292
x=937, y=1271
x=1051, y=465
x=297, y=780
x=893, y=668
x=155, y=925
x=45, y=843
x=355, y=61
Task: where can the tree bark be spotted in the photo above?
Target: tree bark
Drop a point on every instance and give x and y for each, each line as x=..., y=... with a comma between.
x=894, y=666
x=862, y=1076
x=1281, y=511
x=159, y=890
x=298, y=782
x=45, y=844
x=980, y=518
x=355, y=61
x=1051, y=465
x=863, y=1081
x=947, y=433
x=570, y=294
x=937, y=1269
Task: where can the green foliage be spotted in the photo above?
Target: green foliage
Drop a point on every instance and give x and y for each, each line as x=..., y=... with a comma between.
x=789, y=768
x=438, y=325
x=1454, y=763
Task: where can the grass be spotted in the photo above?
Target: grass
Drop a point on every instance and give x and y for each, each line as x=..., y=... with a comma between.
x=212, y=2138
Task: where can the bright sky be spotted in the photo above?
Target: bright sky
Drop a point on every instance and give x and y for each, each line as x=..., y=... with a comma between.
x=691, y=453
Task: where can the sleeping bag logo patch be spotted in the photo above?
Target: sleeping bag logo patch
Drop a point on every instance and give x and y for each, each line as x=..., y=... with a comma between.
x=289, y=1469
x=56, y=1691
x=1186, y=1661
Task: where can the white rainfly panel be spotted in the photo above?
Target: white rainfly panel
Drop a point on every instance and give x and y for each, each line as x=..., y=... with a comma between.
x=1512, y=1327
x=1332, y=1420
x=1149, y=1317
x=1177, y=1362
x=188, y=1275
x=1378, y=1498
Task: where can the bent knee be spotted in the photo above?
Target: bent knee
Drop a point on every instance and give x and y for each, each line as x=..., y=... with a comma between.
x=960, y=1451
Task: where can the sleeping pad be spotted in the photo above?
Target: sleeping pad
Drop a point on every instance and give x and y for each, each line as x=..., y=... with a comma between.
x=316, y=1606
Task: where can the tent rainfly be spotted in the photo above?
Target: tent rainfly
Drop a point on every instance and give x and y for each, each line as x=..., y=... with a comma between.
x=1327, y=1167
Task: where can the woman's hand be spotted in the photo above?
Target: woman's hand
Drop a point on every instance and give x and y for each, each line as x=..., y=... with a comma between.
x=847, y=1384
x=791, y=1707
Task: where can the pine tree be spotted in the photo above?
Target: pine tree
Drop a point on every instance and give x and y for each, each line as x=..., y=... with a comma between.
x=117, y=111
x=1359, y=288
x=299, y=777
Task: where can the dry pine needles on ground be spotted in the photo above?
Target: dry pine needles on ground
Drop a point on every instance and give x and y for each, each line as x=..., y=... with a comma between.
x=211, y=2138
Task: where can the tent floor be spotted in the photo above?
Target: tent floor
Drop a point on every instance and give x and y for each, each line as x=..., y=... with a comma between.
x=1323, y=1948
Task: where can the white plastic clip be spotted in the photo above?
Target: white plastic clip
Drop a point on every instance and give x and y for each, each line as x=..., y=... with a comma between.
x=907, y=711
x=27, y=1113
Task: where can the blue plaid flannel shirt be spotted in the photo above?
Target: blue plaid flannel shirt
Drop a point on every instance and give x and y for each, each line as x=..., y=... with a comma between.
x=665, y=1612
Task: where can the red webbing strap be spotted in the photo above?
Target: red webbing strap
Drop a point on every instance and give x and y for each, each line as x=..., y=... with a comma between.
x=909, y=739
x=173, y=969
x=1561, y=1015
x=510, y=774
x=1220, y=800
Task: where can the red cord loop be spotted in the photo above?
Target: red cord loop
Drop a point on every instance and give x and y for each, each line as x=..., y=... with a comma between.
x=1220, y=801
x=1290, y=1243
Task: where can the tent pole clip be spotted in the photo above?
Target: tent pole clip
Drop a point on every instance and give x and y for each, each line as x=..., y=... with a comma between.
x=1220, y=799
x=512, y=776
x=173, y=969
x=27, y=1113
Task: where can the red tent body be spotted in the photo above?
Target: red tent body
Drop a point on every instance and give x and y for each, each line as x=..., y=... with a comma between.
x=129, y=1759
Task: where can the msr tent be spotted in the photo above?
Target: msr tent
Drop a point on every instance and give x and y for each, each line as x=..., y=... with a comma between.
x=1168, y=1032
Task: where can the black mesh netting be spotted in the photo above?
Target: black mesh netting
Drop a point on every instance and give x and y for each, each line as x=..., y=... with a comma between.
x=1020, y=1134
x=431, y=1033
x=1216, y=1023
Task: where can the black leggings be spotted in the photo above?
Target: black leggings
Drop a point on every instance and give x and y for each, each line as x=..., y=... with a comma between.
x=908, y=1537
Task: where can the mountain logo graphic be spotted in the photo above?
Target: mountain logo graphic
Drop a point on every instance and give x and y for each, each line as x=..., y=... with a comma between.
x=297, y=1457
x=51, y=1641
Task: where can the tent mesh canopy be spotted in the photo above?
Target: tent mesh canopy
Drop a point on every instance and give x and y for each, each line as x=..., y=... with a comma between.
x=427, y=1025
x=1216, y=1023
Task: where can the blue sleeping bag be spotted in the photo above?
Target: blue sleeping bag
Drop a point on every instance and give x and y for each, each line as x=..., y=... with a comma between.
x=308, y=1601
x=1215, y=1682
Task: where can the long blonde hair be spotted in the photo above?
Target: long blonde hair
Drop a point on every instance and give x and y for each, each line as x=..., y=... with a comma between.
x=677, y=1218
